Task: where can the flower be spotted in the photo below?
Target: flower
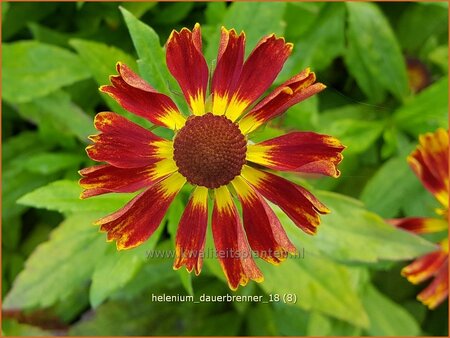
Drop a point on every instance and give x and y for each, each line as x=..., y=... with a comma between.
x=429, y=161
x=211, y=153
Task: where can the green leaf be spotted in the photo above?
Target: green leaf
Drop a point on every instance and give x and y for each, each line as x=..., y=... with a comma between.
x=241, y=16
x=350, y=233
x=439, y=56
x=215, y=11
x=152, y=60
x=12, y=328
x=426, y=111
x=373, y=56
x=173, y=13
x=322, y=43
x=138, y=8
x=57, y=110
x=32, y=69
x=308, y=11
x=414, y=26
x=49, y=36
x=116, y=268
x=387, y=190
x=19, y=14
x=58, y=266
x=386, y=317
x=49, y=163
x=63, y=196
x=320, y=284
x=356, y=135
x=101, y=60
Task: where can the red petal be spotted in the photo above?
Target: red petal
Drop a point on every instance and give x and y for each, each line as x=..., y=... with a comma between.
x=264, y=232
x=138, y=97
x=122, y=143
x=298, y=203
x=104, y=179
x=231, y=245
x=188, y=66
x=190, y=240
x=300, y=152
x=136, y=221
x=437, y=292
x=293, y=91
x=424, y=267
x=259, y=71
x=430, y=163
x=230, y=60
x=420, y=225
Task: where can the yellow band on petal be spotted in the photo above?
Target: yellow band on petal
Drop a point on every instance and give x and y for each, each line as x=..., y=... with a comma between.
x=200, y=197
x=173, y=119
x=197, y=104
x=173, y=184
x=223, y=199
x=259, y=154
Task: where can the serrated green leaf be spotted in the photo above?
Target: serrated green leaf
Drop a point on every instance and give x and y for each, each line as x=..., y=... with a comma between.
x=373, y=55
x=60, y=112
x=64, y=196
x=241, y=16
x=426, y=111
x=32, y=69
x=386, y=317
x=152, y=61
x=58, y=266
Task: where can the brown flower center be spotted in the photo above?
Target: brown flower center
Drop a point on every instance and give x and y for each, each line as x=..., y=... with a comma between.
x=209, y=150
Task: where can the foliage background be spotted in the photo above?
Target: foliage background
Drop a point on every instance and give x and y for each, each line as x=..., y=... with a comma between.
x=59, y=276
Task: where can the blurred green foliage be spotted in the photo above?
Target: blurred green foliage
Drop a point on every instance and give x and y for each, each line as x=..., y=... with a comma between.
x=60, y=276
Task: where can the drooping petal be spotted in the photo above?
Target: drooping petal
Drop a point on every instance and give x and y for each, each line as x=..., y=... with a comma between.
x=136, y=221
x=305, y=152
x=293, y=91
x=420, y=225
x=437, y=292
x=188, y=66
x=138, y=97
x=230, y=60
x=424, y=267
x=298, y=203
x=124, y=144
x=259, y=71
x=190, y=239
x=430, y=163
x=264, y=232
x=231, y=245
x=103, y=179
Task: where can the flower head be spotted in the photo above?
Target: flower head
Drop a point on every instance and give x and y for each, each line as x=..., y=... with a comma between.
x=429, y=162
x=211, y=152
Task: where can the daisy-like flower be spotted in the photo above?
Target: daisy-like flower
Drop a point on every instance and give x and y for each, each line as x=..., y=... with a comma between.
x=211, y=152
x=429, y=161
